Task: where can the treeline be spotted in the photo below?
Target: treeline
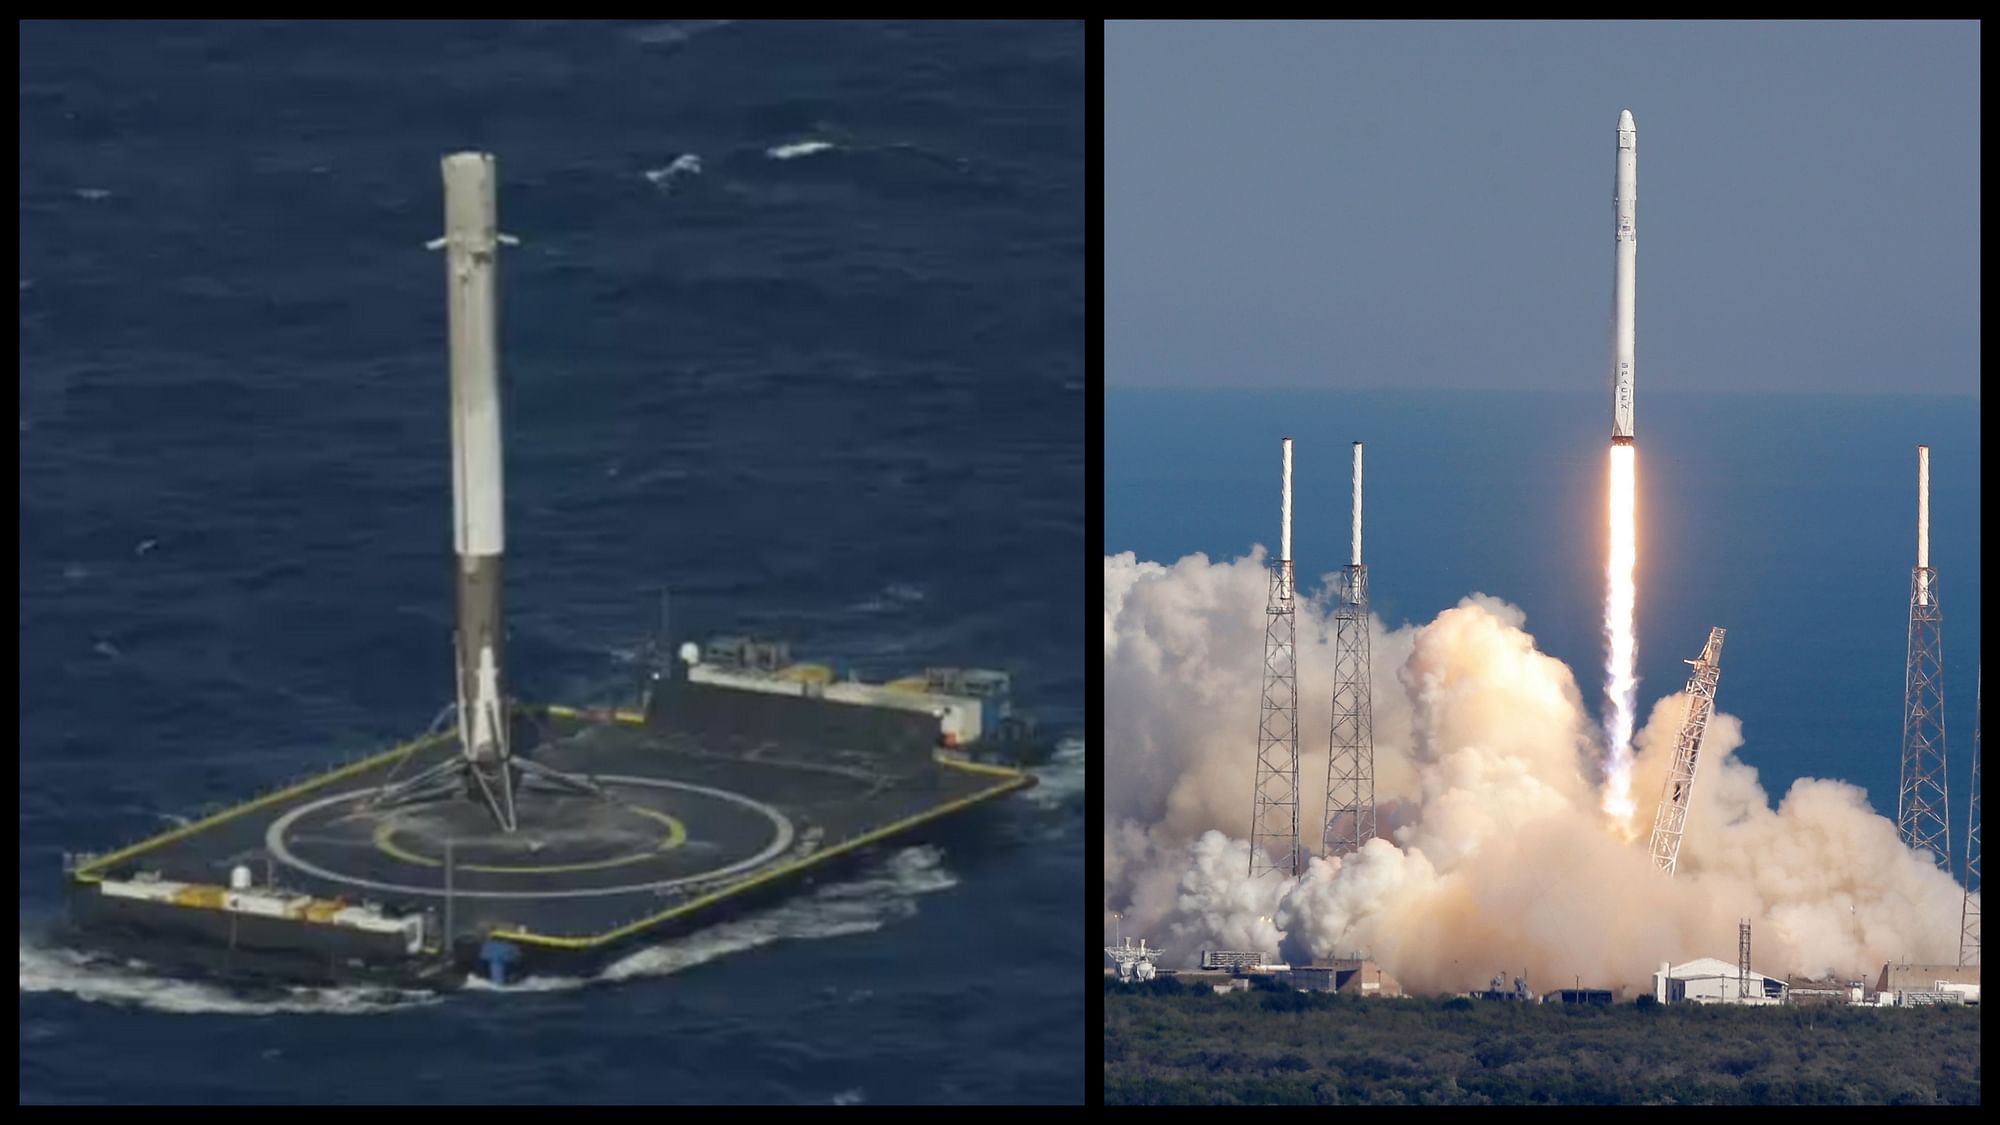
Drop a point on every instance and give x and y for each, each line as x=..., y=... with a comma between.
x=1166, y=1044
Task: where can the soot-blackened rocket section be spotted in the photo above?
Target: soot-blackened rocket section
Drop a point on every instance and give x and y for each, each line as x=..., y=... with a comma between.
x=1625, y=198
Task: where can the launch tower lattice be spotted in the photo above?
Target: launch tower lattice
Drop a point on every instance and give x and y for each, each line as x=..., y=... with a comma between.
x=1968, y=915
x=1350, y=764
x=1671, y=819
x=1923, y=799
x=1274, y=824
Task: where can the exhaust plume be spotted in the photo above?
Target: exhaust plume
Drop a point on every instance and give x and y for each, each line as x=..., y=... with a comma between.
x=1621, y=684
x=1491, y=787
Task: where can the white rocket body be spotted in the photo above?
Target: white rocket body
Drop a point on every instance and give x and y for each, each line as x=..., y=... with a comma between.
x=478, y=529
x=1357, y=505
x=1285, y=532
x=1924, y=524
x=1624, y=278
x=478, y=524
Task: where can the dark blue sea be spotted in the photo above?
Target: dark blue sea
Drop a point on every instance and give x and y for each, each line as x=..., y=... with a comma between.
x=795, y=329
x=1789, y=520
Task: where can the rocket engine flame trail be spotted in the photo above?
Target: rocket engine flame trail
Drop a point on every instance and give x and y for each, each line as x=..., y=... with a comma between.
x=1621, y=688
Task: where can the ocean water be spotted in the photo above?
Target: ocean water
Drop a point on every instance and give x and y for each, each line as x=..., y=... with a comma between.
x=1790, y=521
x=795, y=329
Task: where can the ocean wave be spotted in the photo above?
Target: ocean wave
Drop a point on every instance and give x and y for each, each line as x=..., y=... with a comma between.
x=673, y=32
x=797, y=149
x=1062, y=778
x=175, y=819
x=686, y=164
x=894, y=596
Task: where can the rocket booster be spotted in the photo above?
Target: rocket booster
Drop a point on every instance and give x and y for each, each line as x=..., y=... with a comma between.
x=1626, y=208
x=478, y=530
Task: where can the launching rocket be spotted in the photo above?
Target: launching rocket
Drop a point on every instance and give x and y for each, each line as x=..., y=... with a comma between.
x=1626, y=206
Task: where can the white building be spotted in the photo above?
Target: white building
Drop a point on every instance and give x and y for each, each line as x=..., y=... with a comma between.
x=1710, y=980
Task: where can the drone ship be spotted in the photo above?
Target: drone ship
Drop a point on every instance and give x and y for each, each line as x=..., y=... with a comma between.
x=533, y=838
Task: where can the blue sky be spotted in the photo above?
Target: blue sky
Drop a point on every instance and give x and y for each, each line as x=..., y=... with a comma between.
x=1429, y=205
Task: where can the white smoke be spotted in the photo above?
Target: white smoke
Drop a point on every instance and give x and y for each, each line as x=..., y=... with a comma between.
x=1496, y=854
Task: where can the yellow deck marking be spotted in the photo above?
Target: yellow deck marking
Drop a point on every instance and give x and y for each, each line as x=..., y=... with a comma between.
x=675, y=837
x=93, y=872
x=1018, y=781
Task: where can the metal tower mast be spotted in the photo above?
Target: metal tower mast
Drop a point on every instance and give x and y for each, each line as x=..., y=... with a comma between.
x=1350, y=764
x=1923, y=801
x=1968, y=914
x=1274, y=824
x=1671, y=819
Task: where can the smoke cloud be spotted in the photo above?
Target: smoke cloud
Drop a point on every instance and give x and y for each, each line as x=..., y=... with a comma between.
x=1496, y=851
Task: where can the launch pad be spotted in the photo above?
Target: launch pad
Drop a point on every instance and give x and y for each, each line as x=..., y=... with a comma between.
x=633, y=840
x=712, y=800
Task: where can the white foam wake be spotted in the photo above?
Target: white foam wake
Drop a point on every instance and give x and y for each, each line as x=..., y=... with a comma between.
x=132, y=984
x=860, y=905
x=1063, y=778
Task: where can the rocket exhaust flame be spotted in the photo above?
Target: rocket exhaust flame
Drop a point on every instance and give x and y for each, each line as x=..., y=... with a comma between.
x=1621, y=687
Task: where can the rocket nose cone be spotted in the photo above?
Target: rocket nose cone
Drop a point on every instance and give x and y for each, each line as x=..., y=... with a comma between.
x=1625, y=119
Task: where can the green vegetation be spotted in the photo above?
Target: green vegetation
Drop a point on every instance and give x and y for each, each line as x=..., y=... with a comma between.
x=1165, y=1044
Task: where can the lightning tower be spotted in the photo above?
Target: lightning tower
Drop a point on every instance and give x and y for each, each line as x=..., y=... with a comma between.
x=1923, y=804
x=1350, y=766
x=1671, y=819
x=1743, y=959
x=1968, y=915
x=1274, y=824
